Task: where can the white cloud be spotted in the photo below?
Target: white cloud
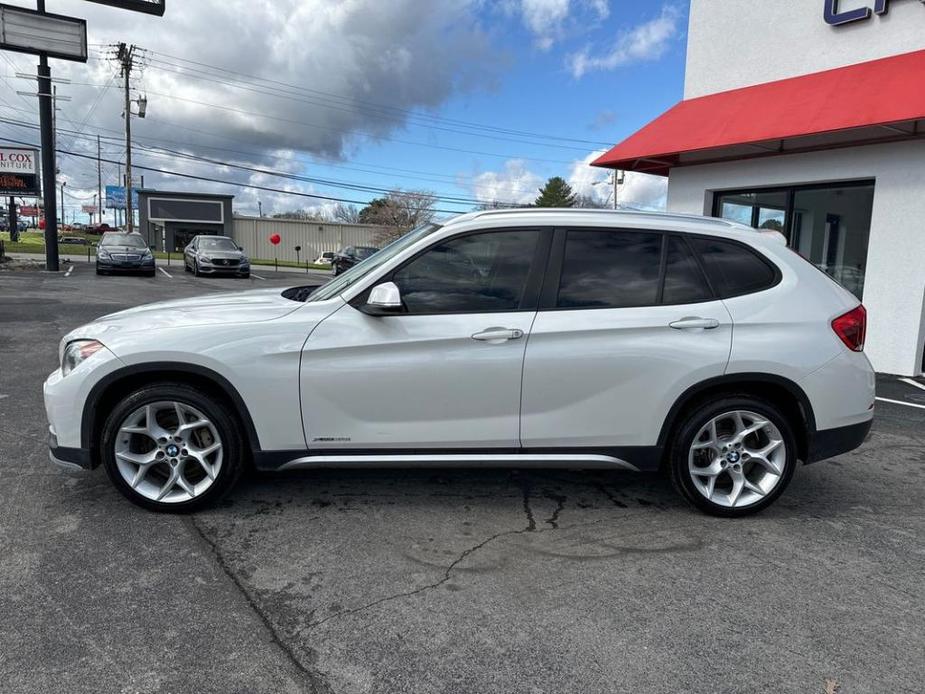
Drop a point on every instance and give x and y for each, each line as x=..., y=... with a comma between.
x=648, y=41
x=546, y=19
x=516, y=183
x=513, y=184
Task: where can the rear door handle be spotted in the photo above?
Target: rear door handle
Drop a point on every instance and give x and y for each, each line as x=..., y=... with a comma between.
x=498, y=335
x=694, y=322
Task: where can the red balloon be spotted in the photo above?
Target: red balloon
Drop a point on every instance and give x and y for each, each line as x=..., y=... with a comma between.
x=275, y=239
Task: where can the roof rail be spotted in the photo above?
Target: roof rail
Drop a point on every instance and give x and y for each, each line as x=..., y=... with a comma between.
x=696, y=219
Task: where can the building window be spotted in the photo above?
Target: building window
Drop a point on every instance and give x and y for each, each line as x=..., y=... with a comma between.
x=829, y=225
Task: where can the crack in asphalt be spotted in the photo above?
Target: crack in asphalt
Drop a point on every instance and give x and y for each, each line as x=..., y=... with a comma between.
x=315, y=679
x=525, y=485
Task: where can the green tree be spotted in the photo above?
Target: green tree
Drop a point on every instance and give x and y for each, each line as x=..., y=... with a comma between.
x=556, y=193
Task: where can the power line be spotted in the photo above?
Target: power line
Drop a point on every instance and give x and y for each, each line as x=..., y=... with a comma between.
x=331, y=183
x=234, y=184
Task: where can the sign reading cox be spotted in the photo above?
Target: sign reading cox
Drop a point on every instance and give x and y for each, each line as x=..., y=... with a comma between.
x=836, y=18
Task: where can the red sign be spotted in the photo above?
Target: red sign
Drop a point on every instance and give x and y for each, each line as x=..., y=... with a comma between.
x=29, y=211
x=275, y=239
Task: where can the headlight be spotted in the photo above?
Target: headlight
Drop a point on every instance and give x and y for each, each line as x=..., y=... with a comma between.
x=100, y=253
x=76, y=352
x=147, y=254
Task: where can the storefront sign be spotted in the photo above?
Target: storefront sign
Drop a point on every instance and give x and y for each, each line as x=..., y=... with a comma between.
x=836, y=18
x=19, y=171
x=89, y=209
x=29, y=211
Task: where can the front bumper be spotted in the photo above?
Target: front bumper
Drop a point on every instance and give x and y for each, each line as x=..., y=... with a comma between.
x=73, y=459
x=109, y=265
x=224, y=269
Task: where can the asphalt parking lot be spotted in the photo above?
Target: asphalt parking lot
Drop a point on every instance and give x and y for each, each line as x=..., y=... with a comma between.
x=460, y=581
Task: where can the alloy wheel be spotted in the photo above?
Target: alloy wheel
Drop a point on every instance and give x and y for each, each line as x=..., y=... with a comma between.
x=737, y=459
x=168, y=452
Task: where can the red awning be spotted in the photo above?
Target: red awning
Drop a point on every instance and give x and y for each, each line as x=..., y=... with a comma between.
x=858, y=104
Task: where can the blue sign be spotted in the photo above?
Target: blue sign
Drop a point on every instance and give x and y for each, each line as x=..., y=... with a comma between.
x=836, y=18
x=115, y=198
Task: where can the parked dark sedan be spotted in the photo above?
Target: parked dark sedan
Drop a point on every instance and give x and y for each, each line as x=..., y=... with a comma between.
x=119, y=252
x=350, y=256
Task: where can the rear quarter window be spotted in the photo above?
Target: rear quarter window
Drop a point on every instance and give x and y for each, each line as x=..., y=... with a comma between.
x=733, y=268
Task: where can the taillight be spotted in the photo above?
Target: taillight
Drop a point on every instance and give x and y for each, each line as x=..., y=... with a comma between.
x=851, y=327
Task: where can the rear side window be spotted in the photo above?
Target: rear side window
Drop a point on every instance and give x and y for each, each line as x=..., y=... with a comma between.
x=733, y=268
x=610, y=269
x=684, y=281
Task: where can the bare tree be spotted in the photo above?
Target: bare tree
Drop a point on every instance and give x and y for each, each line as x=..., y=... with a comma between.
x=399, y=211
x=348, y=214
x=301, y=215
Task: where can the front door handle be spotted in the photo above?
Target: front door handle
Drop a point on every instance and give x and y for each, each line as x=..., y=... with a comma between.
x=694, y=322
x=498, y=335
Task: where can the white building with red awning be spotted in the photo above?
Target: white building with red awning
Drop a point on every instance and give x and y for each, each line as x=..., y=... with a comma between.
x=808, y=116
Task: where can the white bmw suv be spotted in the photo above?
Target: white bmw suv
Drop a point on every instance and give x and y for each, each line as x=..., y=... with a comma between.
x=568, y=338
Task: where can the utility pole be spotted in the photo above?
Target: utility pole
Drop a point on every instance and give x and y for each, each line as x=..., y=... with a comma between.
x=63, y=213
x=99, y=178
x=125, y=55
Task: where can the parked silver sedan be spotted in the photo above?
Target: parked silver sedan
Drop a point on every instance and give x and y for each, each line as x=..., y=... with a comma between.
x=211, y=255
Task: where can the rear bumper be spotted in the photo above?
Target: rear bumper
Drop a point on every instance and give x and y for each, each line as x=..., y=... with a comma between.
x=828, y=443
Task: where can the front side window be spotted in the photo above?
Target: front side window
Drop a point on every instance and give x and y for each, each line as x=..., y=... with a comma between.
x=476, y=273
x=610, y=269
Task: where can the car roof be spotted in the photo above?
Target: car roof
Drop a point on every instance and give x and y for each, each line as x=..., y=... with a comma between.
x=590, y=216
x=624, y=219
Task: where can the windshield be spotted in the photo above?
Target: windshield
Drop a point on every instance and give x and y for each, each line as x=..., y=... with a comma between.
x=358, y=272
x=222, y=244
x=131, y=240
x=366, y=252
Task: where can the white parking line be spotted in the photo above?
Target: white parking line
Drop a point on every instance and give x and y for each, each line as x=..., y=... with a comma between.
x=69, y=271
x=164, y=271
x=914, y=384
x=258, y=277
x=900, y=402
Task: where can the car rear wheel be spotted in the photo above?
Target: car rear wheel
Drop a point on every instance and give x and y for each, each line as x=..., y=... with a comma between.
x=734, y=456
x=171, y=448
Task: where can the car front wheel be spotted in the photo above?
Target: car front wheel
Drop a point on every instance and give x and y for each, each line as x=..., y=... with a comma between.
x=733, y=456
x=172, y=448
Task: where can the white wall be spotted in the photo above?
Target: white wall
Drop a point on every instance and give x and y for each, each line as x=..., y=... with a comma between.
x=737, y=43
x=253, y=233
x=894, y=291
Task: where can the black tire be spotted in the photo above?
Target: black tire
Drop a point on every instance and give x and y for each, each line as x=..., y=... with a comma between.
x=186, y=266
x=698, y=416
x=99, y=272
x=152, y=273
x=220, y=415
x=246, y=275
x=196, y=272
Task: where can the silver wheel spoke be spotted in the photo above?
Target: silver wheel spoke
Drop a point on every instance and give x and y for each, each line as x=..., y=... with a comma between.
x=155, y=430
x=203, y=463
x=738, y=484
x=747, y=431
x=182, y=481
x=754, y=488
x=168, y=485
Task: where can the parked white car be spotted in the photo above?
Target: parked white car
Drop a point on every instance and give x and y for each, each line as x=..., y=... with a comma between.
x=573, y=338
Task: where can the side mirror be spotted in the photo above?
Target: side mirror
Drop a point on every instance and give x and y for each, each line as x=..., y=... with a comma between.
x=241, y=248
x=384, y=298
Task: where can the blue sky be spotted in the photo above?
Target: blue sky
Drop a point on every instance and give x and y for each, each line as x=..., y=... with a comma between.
x=338, y=91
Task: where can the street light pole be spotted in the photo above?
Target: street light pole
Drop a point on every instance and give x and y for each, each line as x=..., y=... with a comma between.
x=63, y=220
x=48, y=159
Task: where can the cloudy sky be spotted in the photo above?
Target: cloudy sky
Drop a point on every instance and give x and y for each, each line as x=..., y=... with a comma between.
x=475, y=100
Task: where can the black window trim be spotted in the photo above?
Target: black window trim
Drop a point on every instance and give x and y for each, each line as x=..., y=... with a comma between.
x=549, y=294
x=535, y=276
